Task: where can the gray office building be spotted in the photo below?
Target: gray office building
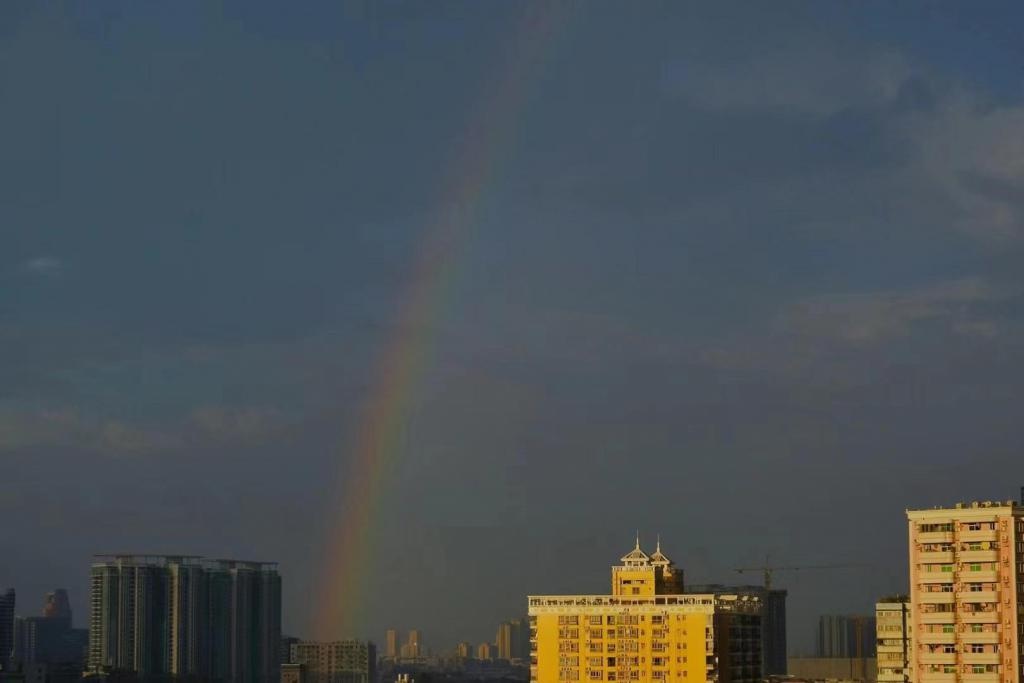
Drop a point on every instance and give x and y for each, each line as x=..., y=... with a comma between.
x=773, y=621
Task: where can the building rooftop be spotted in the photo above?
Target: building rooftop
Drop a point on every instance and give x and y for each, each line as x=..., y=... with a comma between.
x=972, y=505
x=149, y=559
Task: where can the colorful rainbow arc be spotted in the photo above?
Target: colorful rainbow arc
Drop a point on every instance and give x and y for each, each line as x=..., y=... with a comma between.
x=342, y=596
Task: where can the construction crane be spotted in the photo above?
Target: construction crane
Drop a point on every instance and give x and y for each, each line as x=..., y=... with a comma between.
x=768, y=569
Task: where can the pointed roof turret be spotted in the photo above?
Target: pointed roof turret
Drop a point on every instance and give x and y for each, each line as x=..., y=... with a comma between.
x=658, y=557
x=636, y=556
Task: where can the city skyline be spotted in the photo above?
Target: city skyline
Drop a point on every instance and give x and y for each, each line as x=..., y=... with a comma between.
x=410, y=297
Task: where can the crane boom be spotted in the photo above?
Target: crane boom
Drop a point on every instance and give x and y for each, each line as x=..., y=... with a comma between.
x=768, y=569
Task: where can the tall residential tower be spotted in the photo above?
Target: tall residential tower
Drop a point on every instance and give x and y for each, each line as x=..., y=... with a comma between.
x=966, y=583
x=183, y=616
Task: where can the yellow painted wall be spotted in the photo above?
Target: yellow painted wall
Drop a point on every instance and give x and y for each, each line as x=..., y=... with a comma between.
x=639, y=581
x=547, y=647
x=684, y=659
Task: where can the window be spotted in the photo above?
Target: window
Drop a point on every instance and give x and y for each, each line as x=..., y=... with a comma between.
x=977, y=648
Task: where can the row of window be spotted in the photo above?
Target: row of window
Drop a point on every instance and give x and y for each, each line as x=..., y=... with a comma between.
x=626, y=646
x=964, y=547
x=974, y=648
x=969, y=668
x=970, y=587
x=598, y=675
x=974, y=628
x=947, y=567
x=965, y=607
x=596, y=619
x=627, y=619
x=964, y=526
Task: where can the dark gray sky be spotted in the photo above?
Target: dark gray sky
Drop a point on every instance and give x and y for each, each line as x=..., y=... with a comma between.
x=747, y=275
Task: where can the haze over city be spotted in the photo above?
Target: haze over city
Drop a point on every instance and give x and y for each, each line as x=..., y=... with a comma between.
x=750, y=280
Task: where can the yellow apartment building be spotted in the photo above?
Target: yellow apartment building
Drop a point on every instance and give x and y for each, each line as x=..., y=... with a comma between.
x=648, y=629
x=965, y=588
x=894, y=627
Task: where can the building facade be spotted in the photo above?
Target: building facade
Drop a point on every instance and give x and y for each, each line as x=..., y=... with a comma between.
x=894, y=638
x=843, y=636
x=648, y=629
x=48, y=640
x=391, y=643
x=503, y=641
x=966, y=581
x=183, y=616
x=773, y=621
x=340, y=661
x=7, y=602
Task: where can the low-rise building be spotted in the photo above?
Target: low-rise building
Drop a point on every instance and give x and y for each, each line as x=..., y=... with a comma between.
x=894, y=637
x=339, y=661
x=648, y=629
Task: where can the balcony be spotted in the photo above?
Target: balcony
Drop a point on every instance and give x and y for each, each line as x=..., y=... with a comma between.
x=934, y=537
x=936, y=617
x=974, y=536
x=934, y=556
x=935, y=638
x=935, y=677
x=979, y=617
x=982, y=637
x=979, y=556
x=893, y=650
x=980, y=657
x=937, y=658
x=936, y=597
x=980, y=577
x=932, y=578
x=977, y=596
x=980, y=678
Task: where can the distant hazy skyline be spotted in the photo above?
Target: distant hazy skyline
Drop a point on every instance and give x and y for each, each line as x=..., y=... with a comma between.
x=746, y=275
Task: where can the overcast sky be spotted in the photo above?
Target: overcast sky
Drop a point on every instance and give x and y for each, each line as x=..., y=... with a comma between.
x=745, y=275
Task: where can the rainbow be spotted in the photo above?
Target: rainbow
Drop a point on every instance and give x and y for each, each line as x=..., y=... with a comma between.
x=376, y=447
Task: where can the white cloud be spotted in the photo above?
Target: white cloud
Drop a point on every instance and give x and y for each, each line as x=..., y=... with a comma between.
x=972, y=154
